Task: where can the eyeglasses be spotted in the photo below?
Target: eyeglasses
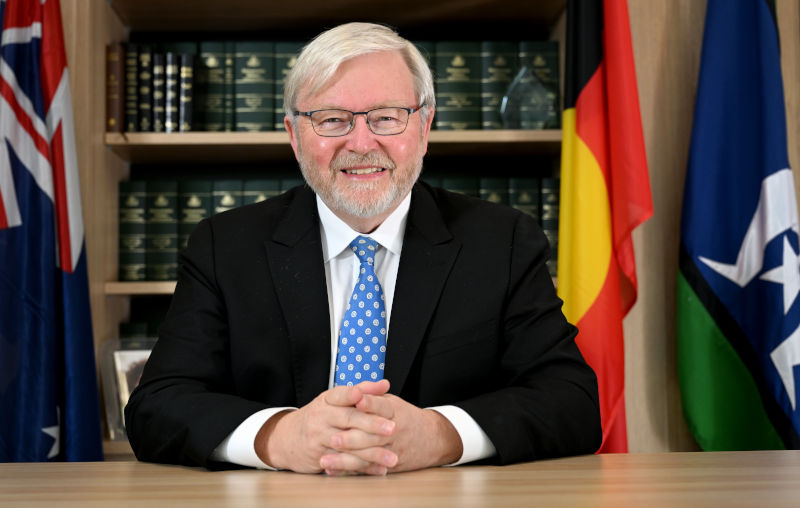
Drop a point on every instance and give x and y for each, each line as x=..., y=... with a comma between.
x=332, y=123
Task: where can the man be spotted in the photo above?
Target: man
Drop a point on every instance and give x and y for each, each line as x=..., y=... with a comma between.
x=269, y=356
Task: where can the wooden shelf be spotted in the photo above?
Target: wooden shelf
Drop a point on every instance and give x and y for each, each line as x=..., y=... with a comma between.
x=240, y=147
x=244, y=15
x=139, y=288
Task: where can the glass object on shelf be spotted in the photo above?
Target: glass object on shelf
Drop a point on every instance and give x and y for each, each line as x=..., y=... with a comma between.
x=530, y=103
x=121, y=364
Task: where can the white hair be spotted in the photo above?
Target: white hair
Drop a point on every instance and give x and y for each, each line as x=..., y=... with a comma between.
x=320, y=59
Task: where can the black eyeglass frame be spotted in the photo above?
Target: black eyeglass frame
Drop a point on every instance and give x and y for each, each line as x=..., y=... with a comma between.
x=308, y=114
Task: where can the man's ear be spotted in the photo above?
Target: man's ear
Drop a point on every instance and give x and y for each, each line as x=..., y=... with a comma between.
x=287, y=122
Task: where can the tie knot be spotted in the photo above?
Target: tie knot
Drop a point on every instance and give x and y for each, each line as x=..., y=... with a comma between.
x=364, y=247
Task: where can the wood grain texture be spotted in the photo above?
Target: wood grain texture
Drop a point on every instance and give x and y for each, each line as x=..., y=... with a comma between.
x=652, y=480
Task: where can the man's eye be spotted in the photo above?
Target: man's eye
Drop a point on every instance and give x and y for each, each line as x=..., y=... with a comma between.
x=332, y=119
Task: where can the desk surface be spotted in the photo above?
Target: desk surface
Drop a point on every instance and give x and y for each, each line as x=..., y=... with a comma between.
x=761, y=478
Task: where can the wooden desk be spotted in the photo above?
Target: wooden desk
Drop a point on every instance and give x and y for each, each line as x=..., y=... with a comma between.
x=762, y=479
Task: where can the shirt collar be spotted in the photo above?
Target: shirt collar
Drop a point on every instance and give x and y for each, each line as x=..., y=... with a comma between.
x=337, y=235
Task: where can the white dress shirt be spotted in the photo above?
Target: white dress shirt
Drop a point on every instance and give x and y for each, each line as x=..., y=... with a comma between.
x=341, y=273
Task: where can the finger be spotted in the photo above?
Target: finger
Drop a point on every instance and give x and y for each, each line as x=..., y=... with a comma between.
x=374, y=387
x=355, y=439
x=343, y=396
x=377, y=405
x=352, y=418
x=358, y=461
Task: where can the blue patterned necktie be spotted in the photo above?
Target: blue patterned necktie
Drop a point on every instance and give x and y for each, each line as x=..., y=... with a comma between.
x=362, y=335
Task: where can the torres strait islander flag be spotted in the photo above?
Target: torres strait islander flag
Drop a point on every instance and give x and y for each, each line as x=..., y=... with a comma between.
x=605, y=194
x=48, y=385
x=738, y=311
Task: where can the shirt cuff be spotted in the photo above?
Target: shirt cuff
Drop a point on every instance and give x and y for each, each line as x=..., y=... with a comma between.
x=475, y=443
x=239, y=446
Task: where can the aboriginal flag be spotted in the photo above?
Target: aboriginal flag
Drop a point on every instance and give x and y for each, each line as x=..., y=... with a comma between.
x=605, y=194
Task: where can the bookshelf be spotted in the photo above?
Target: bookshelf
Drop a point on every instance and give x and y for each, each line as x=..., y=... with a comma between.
x=106, y=158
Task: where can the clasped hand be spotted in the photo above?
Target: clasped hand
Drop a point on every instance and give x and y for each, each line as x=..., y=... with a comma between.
x=358, y=429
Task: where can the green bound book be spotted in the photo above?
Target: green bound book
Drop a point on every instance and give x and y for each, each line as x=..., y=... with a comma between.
x=186, y=99
x=285, y=58
x=159, y=92
x=458, y=85
x=257, y=190
x=499, y=64
x=542, y=110
x=195, y=203
x=132, y=230
x=211, y=86
x=145, y=91
x=288, y=183
x=523, y=194
x=229, y=113
x=172, y=69
x=227, y=194
x=254, y=86
x=467, y=185
x=550, y=210
x=494, y=189
x=131, y=87
x=162, y=229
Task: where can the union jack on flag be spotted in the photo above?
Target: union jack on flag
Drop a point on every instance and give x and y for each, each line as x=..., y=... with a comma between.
x=48, y=385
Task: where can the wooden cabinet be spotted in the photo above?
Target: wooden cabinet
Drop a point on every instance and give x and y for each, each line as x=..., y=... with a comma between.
x=105, y=158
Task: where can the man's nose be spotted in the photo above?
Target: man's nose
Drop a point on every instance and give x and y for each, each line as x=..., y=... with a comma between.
x=361, y=139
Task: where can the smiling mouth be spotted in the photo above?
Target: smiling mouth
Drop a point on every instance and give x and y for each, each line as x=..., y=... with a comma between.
x=363, y=171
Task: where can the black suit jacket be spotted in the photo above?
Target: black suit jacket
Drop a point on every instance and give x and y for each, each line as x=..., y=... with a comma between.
x=475, y=323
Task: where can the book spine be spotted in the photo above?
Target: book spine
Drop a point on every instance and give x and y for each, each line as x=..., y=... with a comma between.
x=131, y=87
x=172, y=66
x=290, y=182
x=159, y=93
x=162, y=230
x=494, y=189
x=145, y=78
x=227, y=194
x=541, y=111
x=211, y=80
x=458, y=85
x=550, y=210
x=115, y=91
x=132, y=230
x=195, y=203
x=186, y=93
x=285, y=58
x=499, y=62
x=229, y=115
x=467, y=185
x=523, y=194
x=254, y=86
x=257, y=190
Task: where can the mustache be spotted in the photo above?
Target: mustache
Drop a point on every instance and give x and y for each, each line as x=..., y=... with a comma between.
x=349, y=159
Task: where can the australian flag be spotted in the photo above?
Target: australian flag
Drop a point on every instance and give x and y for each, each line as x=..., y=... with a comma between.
x=739, y=280
x=48, y=385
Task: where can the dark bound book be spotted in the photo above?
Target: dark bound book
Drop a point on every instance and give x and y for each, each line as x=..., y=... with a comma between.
x=550, y=211
x=542, y=110
x=523, y=194
x=229, y=111
x=210, y=107
x=186, y=93
x=172, y=68
x=468, y=185
x=131, y=87
x=227, y=194
x=257, y=190
x=132, y=230
x=145, y=78
x=499, y=63
x=494, y=189
x=458, y=85
x=115, y=91
x=162, y=229
x=195, y=203
x=285, y=58
x=254, y=86
x=159, y=93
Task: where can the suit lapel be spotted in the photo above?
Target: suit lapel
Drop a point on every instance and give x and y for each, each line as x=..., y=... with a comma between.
x=297, y=268
x=429, y=252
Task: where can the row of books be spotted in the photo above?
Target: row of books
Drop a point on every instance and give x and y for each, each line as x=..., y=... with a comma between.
x=238, y=85
x=156, y=217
